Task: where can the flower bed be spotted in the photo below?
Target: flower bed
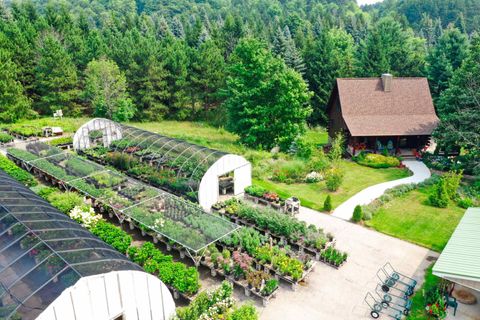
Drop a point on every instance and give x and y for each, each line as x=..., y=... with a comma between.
x=376, y=160
x=265, y=197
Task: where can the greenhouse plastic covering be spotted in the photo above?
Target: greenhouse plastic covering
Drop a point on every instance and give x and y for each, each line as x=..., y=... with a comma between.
x=173, y=217
x=190, y=161
x=43, y=252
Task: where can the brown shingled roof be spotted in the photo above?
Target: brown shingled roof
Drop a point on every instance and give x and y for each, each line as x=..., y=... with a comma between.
x=369, y=111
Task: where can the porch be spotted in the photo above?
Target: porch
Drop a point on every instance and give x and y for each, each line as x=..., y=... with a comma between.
x=404, y=146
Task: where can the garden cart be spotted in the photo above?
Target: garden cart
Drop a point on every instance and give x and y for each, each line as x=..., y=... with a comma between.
x=388, y=282
x=377, y=307
x=399, y=276
x=394, y=301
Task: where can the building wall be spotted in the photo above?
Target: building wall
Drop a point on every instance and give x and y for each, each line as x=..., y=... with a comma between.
x=335, y=119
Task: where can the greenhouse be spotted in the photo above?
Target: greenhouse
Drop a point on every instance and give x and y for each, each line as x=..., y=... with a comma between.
x=198, y=173
x=154, y=211
x=43, y=252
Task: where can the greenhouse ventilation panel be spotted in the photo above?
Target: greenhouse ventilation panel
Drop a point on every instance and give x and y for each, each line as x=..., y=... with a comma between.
x=193, y=171
x=155, y=211
x=43, y=252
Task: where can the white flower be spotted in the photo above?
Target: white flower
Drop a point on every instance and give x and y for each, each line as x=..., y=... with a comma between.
x=313, y=177
x=85, y=216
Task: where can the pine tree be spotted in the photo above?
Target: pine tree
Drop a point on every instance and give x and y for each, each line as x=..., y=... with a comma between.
x=445, y=58
x=177, y=28
x=357, y=214
x=459, y=109
x=291, y=55
x=14, y=104
x=55, y=78
x=204, y=36
x=163, y=30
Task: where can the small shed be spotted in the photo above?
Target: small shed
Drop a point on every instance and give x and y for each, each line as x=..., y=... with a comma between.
x=382, y=113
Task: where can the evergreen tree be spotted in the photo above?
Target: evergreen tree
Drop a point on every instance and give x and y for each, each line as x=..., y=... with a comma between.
x=328, y=56
x=389, y=48
x=445, y=58
x=267, y=102
x=14, y=104
x=459, y=110
x=55, y=78
x=208, y=74
x=327, y=204
x=105, y=90
x=177, y=28
x=357, y=214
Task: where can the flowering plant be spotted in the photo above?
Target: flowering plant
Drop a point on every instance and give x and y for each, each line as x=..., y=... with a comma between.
x=85, y=215
x=438, y=309
x=242, y=260
x=313, y=177
x=271, y=196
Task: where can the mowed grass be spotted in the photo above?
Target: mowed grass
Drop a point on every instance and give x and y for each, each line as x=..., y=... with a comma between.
x=417, y=311
x=356, y=178
x=69, y=125
x=409, y=217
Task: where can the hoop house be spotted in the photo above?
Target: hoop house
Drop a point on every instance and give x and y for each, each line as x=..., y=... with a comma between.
x=183, y=168
x=154, y=211
x=43, y=252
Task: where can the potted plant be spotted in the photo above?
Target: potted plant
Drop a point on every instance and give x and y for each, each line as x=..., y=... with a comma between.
x=270, y=286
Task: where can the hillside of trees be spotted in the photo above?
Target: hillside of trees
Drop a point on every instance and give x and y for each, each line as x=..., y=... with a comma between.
x=160, y=59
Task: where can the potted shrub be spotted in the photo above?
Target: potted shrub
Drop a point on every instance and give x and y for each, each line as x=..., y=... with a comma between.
x=270, y=286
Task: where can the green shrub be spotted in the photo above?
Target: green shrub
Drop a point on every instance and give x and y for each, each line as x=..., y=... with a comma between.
x=334, y=179
x=439, y=195
x=357, y=214
x=245, y=312
x=290, y=171
x=320, y=162
x=65, y=201
x=17, y=173
x=465, y=203
x=327, y=204
x=255, y=190
x=452, y=182
x=45, y=192
x=338, y=147
x=60, y=141
x=5, y=137
x=377, y=161
x=112, y=235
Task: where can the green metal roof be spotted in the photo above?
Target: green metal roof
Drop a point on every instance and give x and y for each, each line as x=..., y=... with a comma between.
x=461, y=257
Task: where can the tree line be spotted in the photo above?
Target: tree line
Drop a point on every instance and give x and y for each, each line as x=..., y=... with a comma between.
x=153, y=59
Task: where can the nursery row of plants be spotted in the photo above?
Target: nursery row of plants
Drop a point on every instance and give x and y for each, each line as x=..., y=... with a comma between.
x=5, y=137
x=159, y=176
x=151, y=209
x=176, y=275
x=282, y=227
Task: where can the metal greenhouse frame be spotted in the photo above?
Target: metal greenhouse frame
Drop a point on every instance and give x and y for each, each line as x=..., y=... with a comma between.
x=195, y=169
x=43, y=252
x=153, y=210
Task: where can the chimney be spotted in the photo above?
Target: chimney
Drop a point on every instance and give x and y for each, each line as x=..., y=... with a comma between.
x=387, y=79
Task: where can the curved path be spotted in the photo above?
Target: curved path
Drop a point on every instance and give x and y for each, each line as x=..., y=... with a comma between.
x=345, y=210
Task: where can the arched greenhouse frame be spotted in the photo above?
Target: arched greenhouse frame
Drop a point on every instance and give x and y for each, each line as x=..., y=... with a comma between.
x=198, y=173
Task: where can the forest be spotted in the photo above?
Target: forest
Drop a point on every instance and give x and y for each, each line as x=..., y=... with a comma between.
x=148, y=60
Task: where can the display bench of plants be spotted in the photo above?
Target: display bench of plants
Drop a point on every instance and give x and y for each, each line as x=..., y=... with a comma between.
x=277, y=260
x=282, y=227
x=23, y=132
x=163, y=176
x=265, y=197
x=237, y=268
x=5, y=138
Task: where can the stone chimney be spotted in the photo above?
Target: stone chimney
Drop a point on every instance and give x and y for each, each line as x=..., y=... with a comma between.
x=387, y=79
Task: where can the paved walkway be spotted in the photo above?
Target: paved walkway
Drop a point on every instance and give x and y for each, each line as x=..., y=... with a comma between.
x=338, y=294
x=345, y=210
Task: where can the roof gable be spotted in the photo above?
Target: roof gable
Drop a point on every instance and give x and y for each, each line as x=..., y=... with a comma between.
x=368, y=110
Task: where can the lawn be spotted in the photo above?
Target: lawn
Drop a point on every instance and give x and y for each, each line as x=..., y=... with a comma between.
x=69, y=125
x=356, y=178
x=409, y=217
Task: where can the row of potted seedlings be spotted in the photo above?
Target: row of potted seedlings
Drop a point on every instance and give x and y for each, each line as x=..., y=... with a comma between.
x=265, y=197
x=285, y=228
x=237, y=267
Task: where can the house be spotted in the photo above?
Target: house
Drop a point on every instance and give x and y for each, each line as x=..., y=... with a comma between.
x=382, y=114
